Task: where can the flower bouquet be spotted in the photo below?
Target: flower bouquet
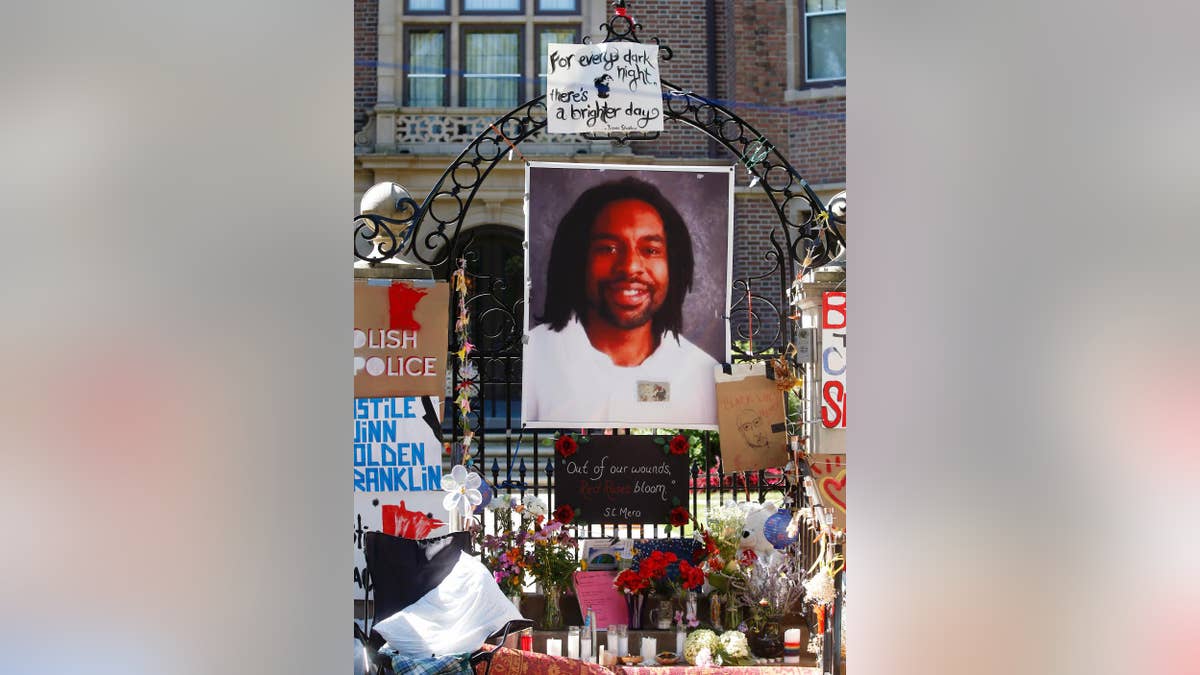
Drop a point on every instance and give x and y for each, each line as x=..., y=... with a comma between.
x=770, y=588
x=661, y=571
x=705, y=648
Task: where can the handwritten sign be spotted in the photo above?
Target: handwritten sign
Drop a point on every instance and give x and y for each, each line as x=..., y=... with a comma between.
x=598, y=88
x=750, y=415
x=400, y=337
x=595, y=590
x=397, y=472
x=621, y=479
x=833, y=360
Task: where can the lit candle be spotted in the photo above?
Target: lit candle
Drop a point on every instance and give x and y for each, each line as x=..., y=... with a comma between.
x=527, y=641
x=585, y=646
x=791, y=645
x=612, y=640
x=553, y=647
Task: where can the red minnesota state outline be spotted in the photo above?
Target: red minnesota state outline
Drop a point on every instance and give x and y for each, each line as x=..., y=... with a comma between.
x=402, y=305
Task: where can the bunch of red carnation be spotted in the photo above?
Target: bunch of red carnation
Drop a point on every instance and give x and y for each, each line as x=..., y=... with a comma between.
x=655, y=570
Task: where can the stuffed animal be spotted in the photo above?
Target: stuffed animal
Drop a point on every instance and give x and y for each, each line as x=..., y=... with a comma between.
x=753, y=535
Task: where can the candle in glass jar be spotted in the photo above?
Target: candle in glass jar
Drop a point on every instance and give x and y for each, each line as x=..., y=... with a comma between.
x=611, y=639
x=585, y=646
x=573, y=642
x=649, y=649
x=622, y=640
x=553, y=647
x=527, y=641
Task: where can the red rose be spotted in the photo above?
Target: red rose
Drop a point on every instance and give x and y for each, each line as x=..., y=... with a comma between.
x=679, y=445
x=680, y=516
x=564, y=514
x=566, y=446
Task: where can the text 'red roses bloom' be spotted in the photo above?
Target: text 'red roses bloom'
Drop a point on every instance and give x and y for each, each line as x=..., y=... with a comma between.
x=679, y=445
x=564, y=514
x=566, y=446
x=680, y=516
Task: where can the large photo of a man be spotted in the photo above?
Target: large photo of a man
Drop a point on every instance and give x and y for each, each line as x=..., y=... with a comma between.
x=627, y=294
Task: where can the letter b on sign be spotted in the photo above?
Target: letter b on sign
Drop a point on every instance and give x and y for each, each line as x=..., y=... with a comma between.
x=833, y=310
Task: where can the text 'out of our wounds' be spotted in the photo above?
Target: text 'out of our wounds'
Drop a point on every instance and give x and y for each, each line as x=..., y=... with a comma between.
x=630, y=483
x=391, y=365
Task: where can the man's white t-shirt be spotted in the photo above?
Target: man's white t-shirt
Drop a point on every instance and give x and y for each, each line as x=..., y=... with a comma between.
x=569, y=383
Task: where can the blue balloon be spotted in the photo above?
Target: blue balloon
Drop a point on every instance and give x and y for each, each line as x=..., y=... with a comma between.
x=775, y=529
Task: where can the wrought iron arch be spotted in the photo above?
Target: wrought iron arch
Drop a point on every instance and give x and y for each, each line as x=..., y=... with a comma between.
x=813, y=242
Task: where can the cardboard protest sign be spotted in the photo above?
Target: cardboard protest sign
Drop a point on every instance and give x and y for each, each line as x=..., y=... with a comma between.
x=603, y=87
x=400, y=337
x=751, y=416
x=829, y=479
x=621, y=479
x=397, y=472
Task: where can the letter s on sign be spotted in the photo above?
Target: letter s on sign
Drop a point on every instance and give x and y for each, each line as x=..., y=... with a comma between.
x=833, y=412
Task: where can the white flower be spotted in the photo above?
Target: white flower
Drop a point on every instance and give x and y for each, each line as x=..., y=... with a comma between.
x=698, y=641
x=734, y=644
x=703, y=658
x=462, y=488
x=501, y=502
x=535, y=506
x=820, y=588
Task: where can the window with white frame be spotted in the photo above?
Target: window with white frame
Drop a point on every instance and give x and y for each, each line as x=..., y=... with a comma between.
x=824, y=26
x=495, y=49
x=548, y=35
x=491, y=68
x=425, y=55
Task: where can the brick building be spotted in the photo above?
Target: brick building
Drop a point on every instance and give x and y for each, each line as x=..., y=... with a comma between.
x=779, y=64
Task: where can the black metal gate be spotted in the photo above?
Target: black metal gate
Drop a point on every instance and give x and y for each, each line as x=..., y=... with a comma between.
x=520, y=461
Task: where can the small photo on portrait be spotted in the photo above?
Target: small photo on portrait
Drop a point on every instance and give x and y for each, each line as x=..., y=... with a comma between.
x=627, y=294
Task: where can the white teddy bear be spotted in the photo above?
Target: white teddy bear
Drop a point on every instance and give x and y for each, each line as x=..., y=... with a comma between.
x=752, y=534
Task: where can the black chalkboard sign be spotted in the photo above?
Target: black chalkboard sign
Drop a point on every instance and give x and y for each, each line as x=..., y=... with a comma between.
x=621, y=479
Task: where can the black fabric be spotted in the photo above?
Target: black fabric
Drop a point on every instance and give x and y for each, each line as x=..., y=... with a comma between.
x=401, y=573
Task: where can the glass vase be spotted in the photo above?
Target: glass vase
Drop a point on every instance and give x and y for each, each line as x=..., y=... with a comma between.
x=552, y=618
x=634, y=602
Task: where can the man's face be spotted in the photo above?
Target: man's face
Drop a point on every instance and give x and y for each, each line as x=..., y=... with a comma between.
x=752, y=428
x=626, y=279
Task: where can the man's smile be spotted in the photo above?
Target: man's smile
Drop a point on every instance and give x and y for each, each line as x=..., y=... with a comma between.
x=627, y=294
